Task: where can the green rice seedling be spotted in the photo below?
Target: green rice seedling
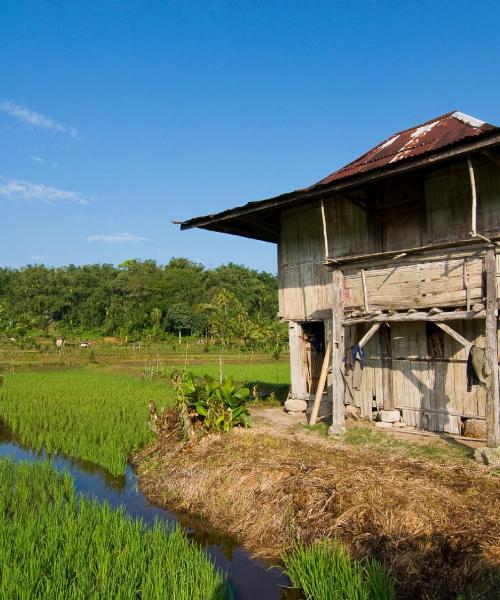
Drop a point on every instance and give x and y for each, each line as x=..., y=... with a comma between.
x=380, y=583
x=54, y=544
x=97, y=417
x=325, y=571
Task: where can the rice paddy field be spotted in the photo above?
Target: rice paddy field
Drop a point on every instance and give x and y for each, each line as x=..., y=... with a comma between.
x=55, y=544
x=94, y=416
x=101, y=414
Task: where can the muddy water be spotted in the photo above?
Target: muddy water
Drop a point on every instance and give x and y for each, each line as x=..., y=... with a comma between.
x=250, y=579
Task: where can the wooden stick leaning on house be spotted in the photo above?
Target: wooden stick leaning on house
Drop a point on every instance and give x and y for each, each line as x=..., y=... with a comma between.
x=321, y=384
x=324, y=372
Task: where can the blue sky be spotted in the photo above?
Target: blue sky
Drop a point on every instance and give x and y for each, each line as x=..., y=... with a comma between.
x=118, y=117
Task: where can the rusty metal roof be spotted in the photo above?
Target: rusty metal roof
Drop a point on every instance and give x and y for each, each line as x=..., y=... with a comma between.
x=430, y=136
x=448, y=135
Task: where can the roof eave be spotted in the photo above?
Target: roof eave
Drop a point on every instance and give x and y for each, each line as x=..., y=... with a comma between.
x=220, y=221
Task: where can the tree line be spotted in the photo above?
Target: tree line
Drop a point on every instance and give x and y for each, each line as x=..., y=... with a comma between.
x=140, y=299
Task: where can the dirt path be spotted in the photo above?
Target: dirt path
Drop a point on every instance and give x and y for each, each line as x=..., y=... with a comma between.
x=434, y=523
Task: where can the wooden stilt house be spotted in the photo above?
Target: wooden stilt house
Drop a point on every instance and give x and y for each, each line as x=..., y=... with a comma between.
x=396, y=253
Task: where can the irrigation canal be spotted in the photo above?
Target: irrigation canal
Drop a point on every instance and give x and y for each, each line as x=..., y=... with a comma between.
x=250, y=579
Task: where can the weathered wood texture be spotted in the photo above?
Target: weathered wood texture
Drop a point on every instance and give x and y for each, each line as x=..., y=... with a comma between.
x=418, y=285
x=337, y=344
x=431, y=392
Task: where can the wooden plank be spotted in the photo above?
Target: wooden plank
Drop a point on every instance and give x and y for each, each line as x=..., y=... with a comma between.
x=455, y=335
x=457, y=315
x=491, y=352
x=372, y=331
x=338, y=412
x=374, y=256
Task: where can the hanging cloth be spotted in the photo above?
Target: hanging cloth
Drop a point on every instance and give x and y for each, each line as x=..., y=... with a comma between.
x=354, y=359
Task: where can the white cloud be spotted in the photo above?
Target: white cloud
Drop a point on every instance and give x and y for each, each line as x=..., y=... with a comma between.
x=38, y=159
x=17, y=189
x=34, y=119
x=116, y=238
x=38, y=257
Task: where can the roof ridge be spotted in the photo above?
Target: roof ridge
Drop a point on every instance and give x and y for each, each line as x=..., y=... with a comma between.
x=393, y=135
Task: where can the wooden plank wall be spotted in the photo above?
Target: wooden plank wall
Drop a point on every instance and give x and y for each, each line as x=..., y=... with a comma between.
x=430, y=392
x=304, y=281
x=417, y=283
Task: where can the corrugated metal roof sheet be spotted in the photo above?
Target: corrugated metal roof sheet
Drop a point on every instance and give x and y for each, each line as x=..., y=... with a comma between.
x=416, y=141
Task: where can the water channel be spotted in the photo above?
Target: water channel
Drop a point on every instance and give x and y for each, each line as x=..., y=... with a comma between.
x=250, y=579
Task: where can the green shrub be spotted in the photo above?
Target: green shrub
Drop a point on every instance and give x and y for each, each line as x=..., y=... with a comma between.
x=209, y=404
x=325, y=571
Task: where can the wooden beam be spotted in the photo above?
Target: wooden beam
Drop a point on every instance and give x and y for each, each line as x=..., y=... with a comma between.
x=321, y=385
x=344, y=260
x=410, y=317
x=368, y=335
x=455, y=335
x=437, y=411
x=338, y=411
x=491, y=352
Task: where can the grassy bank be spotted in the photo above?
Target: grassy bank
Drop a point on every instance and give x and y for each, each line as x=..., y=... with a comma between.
x=54, y=545
x=94, y=416
x=434, y=525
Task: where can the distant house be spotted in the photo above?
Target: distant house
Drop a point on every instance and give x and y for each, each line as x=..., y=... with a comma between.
x=396, y=252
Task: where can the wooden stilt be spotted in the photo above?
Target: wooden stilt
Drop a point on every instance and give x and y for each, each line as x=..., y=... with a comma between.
x=491, y=352
x=338, y=411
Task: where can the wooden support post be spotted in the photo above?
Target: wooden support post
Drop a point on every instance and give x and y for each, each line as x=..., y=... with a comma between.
x=491, y=352
x=321, y=385
x=338, y=412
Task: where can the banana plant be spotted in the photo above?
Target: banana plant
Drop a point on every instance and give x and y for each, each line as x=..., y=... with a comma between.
x=212, y=405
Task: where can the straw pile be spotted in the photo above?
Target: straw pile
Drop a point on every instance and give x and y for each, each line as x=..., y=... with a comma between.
x=434, y=526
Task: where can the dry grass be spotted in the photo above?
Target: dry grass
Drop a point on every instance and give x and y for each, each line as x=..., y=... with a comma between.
x=434, y=525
